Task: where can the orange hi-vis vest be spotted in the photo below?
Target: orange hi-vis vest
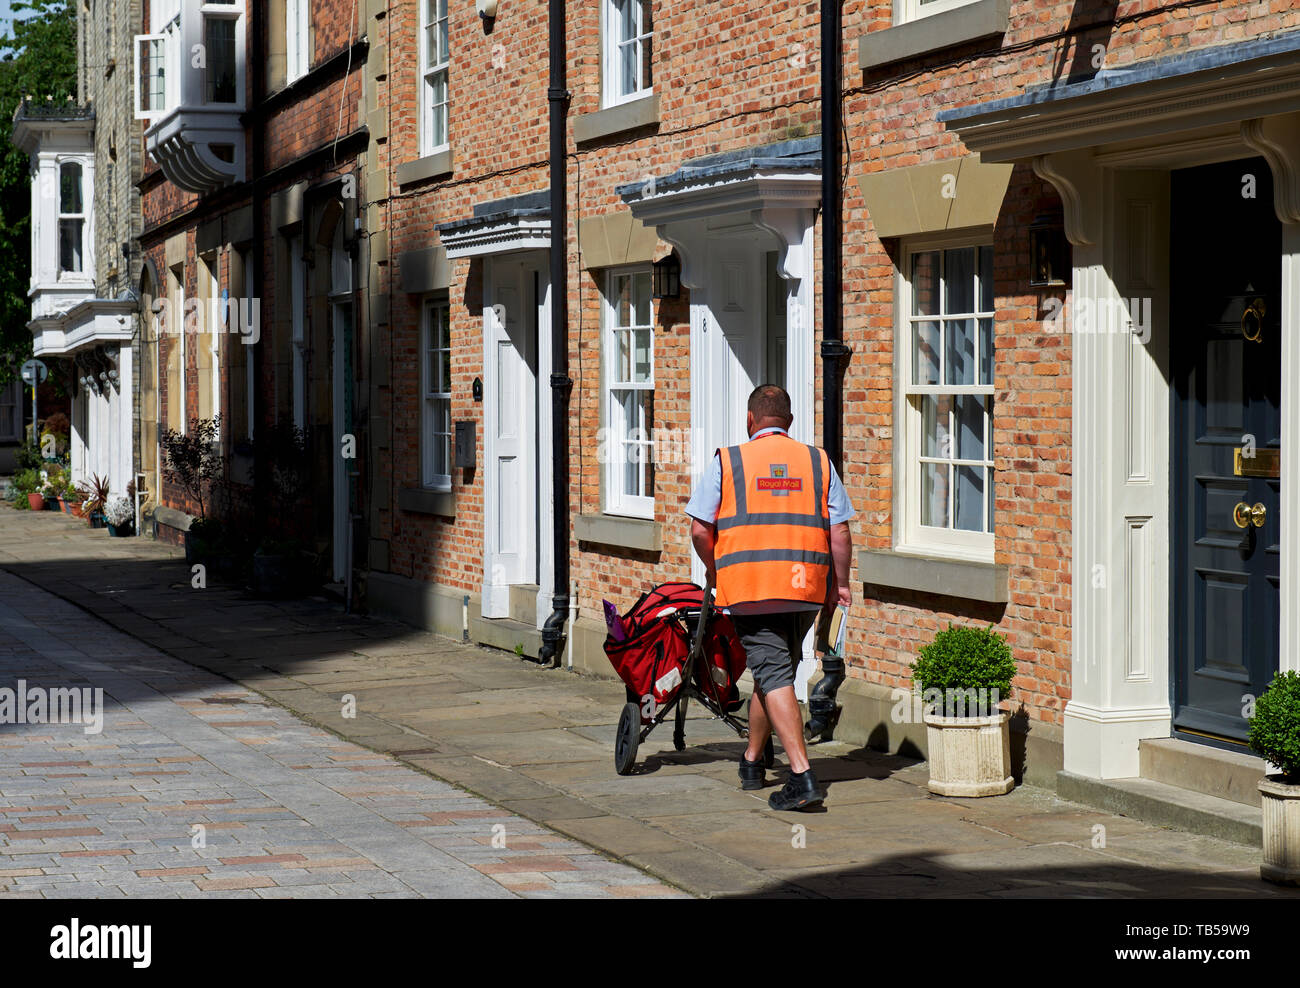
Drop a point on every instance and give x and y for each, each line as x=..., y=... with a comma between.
x=774, y=522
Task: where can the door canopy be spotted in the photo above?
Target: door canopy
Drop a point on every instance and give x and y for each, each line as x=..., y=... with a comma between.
x=775, y=188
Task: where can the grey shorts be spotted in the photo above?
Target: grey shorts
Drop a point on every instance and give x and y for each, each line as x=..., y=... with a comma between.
x=773, y=645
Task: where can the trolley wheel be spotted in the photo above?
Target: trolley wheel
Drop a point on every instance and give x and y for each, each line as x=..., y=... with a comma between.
x=679, y=725
x=769, y=753
x=627, y=739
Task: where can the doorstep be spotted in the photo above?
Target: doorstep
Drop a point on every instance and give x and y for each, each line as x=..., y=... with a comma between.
x=1167, y=806
x=506, y=634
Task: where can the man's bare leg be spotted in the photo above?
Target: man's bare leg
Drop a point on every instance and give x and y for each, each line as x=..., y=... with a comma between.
x=781, y=712
x=760, y=727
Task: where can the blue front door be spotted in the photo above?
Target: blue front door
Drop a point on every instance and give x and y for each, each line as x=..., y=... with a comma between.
x=1225, y=285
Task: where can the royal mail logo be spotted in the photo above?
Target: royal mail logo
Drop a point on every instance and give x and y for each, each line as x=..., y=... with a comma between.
x=780, y=480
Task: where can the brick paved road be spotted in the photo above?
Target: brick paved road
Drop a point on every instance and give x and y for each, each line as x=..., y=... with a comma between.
x=286, y=810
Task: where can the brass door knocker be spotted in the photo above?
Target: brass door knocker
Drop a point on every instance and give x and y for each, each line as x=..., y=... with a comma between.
x=1256, y=310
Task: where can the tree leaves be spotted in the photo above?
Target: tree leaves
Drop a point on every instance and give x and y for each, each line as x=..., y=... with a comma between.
x=38, y=60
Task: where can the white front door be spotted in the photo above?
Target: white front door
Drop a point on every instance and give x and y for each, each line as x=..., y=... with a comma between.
x=517, y=529
x=731, y=351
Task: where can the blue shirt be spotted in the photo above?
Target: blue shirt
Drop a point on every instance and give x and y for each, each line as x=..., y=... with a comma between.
x=707, y=499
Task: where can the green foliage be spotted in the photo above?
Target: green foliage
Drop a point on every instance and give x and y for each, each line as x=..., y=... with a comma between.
x=96, y=492
x=962, y=658
x=193, y=460
x=27, y=481
x=28, y=457
x=1275, y=728
x=38, y=60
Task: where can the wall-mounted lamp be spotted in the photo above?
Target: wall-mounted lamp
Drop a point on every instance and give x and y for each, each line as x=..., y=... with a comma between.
x=667, y=280
x=487, y=9
x=1049, y=262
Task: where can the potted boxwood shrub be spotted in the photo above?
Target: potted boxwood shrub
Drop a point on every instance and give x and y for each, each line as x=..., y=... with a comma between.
x=962, y=676
x=1275, y=736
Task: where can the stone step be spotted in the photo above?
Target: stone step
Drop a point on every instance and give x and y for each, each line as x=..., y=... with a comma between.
x=1218, y=772
x=506, y=634
x=1167, y=806
x=523, y=603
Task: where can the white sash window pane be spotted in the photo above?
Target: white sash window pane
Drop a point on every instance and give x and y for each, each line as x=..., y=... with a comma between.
x=925, y=353
x=960, y=356
x=934, y=495
x=969, y=506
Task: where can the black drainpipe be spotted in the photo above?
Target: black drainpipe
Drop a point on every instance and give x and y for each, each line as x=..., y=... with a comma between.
x=255, y=164
x=833, y=349
x=821, y=701
x=557, y=97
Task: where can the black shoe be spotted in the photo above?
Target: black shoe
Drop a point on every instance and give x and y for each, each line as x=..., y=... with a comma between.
x=799, y=792
x=751, y=774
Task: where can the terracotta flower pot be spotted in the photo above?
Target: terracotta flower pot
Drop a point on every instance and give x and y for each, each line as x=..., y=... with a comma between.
x=970, y=756
x=36, y=502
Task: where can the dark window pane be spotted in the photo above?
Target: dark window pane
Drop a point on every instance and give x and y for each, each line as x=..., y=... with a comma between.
x=70, y=188
x=960, y=356
x=959, y=280
x=220, y=36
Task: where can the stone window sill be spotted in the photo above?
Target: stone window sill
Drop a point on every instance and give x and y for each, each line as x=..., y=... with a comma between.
x=962, y=578
x=588, y=127
x=423, y=169
x=983, y=19
x=626, y=533
x=424, y=502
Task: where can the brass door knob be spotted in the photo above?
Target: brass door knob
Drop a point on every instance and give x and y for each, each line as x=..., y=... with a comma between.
x=1253, y=318
x=1245, y=515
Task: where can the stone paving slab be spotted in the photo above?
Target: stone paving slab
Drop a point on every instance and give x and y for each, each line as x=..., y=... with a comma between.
x=215, y=792
x=537, y=743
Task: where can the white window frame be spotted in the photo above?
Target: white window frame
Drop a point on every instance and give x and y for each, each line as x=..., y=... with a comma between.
x=178, y=299
x=298, y=328
x=436, y=312
x=910, y=535
x=611, y=21
x=83, y=217
x=618, y=434
x=297, y=34
x=211, y=271
x=152, y=101
x=914, y=10
x=234, y=12
x=431, y=140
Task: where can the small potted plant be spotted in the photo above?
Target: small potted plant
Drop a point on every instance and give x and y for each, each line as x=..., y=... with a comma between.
x=27, y=487
x=96, y=493
x=120, y=515
x=50, y=492
x=1275, y=736
x=963, y=675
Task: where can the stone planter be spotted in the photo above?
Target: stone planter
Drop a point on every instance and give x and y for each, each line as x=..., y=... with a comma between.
x=970, y=756
x=1281, y=863
x=275, y=576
